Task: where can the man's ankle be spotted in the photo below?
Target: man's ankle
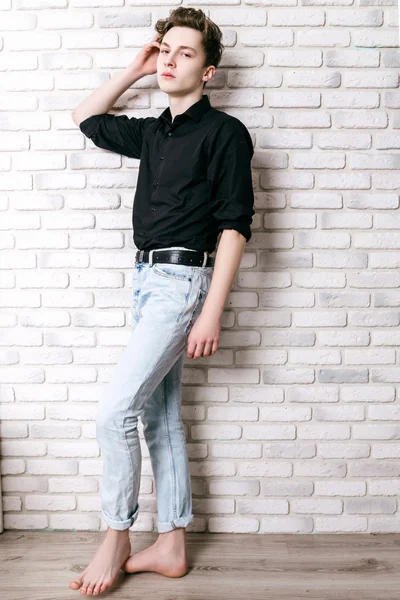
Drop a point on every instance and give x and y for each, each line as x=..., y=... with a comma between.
x=177, y=531
x=171, y=538
x=117, y=532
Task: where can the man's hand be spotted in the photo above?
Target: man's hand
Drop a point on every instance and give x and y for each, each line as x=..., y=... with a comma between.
x=145, y=62
x=204, y=336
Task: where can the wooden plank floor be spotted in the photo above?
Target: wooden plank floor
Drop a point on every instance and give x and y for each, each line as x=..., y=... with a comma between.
x=39, y=565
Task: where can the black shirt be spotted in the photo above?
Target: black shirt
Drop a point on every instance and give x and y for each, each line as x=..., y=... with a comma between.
x=194, y=176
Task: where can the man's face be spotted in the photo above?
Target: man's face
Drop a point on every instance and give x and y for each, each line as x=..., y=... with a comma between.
x=186, y=64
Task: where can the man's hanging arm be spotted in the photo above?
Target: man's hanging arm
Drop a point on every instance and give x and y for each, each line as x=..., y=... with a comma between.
x=227, y=262
x=232, y=203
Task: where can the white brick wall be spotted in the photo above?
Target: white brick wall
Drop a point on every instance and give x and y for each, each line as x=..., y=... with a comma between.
x=294, y=424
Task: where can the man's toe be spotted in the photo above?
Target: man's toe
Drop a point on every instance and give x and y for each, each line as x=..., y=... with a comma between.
x=97, y=588
x=75, y=584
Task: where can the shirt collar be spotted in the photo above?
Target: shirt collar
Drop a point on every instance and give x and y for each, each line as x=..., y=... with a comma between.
x=196, y=111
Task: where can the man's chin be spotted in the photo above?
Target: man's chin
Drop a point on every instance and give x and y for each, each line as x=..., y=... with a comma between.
x=169, y=89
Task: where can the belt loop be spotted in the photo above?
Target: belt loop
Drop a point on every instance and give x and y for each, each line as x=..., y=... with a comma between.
x=141, y=252
x=151, y=257
x=205, y=259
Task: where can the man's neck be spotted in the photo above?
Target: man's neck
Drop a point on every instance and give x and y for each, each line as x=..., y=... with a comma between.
x=180, y=104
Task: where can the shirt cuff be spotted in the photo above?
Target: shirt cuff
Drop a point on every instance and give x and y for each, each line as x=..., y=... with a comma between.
x=89, y=125
x=240, y=227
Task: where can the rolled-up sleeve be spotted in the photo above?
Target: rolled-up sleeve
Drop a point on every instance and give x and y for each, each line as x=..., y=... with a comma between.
x=229, y=177
x=121, y=134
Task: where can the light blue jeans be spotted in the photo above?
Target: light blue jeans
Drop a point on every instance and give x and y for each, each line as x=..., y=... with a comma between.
x=147, y=382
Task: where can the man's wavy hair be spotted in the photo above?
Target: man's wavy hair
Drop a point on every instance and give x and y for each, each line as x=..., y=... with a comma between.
x=196, y=19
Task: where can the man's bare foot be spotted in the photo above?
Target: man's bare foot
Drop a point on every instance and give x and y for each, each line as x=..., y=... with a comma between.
x=166, y=556
x=101, y=573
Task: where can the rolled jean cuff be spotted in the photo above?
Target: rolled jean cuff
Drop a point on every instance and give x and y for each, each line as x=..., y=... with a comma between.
x=171, y=525
x=121, y=525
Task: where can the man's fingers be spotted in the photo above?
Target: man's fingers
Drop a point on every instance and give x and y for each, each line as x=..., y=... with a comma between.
x=193, y=350
x=199, y=349
x=190, y=349
x=207, y=350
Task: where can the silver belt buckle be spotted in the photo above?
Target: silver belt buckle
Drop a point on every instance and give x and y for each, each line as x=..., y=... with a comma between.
x=205, y=259
x=151, y=257
x=141, y=253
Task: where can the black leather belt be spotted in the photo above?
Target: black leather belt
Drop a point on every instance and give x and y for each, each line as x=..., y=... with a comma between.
x=177, y=257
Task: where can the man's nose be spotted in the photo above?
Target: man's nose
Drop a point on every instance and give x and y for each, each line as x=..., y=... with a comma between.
x=168, y=59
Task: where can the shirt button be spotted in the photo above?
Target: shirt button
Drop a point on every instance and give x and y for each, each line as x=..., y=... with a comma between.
x=153, y=209
x=162, y=157
x=156, y=184
x=170, y=134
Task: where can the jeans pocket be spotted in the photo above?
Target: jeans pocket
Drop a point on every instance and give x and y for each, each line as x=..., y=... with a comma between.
x=173, y=271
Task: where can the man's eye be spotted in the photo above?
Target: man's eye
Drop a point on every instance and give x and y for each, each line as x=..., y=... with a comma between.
x=167, y=51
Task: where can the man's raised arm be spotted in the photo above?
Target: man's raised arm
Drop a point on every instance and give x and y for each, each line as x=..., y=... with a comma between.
x=103, y=99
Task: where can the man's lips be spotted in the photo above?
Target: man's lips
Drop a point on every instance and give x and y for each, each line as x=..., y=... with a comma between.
x=168, y=75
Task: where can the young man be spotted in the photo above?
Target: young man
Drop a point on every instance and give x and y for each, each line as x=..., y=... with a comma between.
x=194, y=182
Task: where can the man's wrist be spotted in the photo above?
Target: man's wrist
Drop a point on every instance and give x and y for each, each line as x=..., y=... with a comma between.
x=132, y=74
x=211, y=311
